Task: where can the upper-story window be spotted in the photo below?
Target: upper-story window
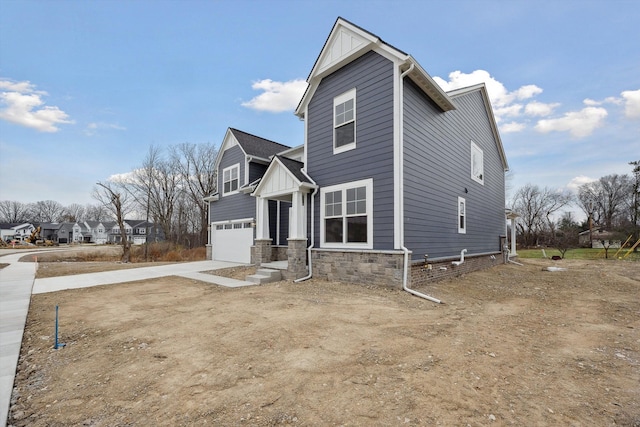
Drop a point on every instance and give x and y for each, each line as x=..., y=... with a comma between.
x=230, y=179
x=347, y=215
x=344, y=122
x=477, y=163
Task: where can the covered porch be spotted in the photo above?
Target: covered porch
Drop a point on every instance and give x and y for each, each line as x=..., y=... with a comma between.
x=283, y=181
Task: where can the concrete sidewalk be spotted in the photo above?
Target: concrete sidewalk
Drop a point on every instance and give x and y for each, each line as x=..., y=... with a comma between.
x=188, y=269
x=17, y=283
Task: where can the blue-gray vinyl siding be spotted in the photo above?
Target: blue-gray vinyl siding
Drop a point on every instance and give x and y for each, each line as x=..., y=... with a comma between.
x=284, y=222
x=437, y=170
x=372, y=76
x=256, y=170
x=238, y=205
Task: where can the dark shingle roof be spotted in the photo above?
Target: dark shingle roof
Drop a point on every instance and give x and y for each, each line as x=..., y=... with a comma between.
x=256, y=146
x=294, y=167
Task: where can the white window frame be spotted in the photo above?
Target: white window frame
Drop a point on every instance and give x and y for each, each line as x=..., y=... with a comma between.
x=477, y=163
x=368, y=184
x=230, y=170
x=462, y=215
x=341, y=99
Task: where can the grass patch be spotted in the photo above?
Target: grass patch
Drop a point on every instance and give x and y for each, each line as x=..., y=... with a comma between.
x=579, y=253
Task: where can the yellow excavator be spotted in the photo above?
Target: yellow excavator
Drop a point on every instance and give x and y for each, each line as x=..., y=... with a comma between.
x=35, y=235
x=34, y=238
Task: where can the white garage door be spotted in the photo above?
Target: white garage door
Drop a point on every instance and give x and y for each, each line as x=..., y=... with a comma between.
x=232, y=241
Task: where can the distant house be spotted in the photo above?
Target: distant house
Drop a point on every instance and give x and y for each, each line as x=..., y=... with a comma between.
x=598, y=239
x=136, y=231
x=396, y=179
x=100, y=232
x=16, y=231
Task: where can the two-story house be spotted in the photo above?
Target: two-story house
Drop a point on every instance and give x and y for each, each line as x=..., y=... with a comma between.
x=396, y=182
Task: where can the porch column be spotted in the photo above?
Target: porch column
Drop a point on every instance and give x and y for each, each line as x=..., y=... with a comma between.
x=512, y=249
x=208, y=246
x=263, y=241
x=297, y=216
x=262, y=218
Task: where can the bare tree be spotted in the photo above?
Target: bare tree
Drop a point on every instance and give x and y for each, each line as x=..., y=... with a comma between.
x=634, y=202
x=74, y=212
x=156, y=187
x=47, y=211
x=536, y=208
x=604, y=199
x=196, y=166
x=96, y=213
x=114, y=199
x=12, y=211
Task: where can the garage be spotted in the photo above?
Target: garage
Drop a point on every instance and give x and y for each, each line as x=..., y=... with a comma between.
x=232, y=241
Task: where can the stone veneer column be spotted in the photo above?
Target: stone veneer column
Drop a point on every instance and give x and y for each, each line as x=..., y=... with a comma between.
x=263, y=251
x=297, y=258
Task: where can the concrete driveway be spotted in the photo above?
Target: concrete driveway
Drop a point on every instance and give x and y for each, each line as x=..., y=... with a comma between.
x=18, y=282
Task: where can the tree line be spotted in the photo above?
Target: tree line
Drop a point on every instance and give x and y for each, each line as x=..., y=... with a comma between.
x=168, y=189
x=610, y=203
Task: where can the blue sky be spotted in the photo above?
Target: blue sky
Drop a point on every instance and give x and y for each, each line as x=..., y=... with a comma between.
x=87, y=86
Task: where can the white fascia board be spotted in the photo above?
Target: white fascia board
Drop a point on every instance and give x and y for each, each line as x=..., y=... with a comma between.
x=228, y=141
x=293, y=152
x=346, y=42
x=429, y=86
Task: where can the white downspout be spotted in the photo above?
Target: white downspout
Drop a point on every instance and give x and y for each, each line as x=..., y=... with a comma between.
x=313, y=196
x=401, y=190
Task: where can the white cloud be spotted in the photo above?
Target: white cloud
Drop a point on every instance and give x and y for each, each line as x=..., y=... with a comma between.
x=507, y=111
x=498, y=93
x=504, y=103
x=93, y=128
x=540, y=109
x=277, y=96
x=576, y=182
x=21, y=104
x=578, y=123
x=512, y=127
x=123, y=178
x=631, y=103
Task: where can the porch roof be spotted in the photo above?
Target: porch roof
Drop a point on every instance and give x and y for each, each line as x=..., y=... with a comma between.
x=282, y=178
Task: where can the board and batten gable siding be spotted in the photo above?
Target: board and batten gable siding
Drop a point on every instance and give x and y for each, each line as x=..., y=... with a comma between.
x=235, y=206
x=372, y=77
x=437, y=170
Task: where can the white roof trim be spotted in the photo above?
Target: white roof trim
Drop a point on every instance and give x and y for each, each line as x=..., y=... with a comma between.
x=347, y=42
x=228, y=141
x=278, y=181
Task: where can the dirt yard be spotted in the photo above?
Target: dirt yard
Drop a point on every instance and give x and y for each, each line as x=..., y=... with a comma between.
x=512, y=346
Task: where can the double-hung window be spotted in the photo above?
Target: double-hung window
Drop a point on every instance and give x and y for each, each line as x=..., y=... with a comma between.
x=230, y=180
x=347, y=215
x=344, y=122
x=477, y=163
x=462, y=215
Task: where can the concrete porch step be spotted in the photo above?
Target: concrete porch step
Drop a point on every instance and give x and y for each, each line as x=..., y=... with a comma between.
x=265, y=275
